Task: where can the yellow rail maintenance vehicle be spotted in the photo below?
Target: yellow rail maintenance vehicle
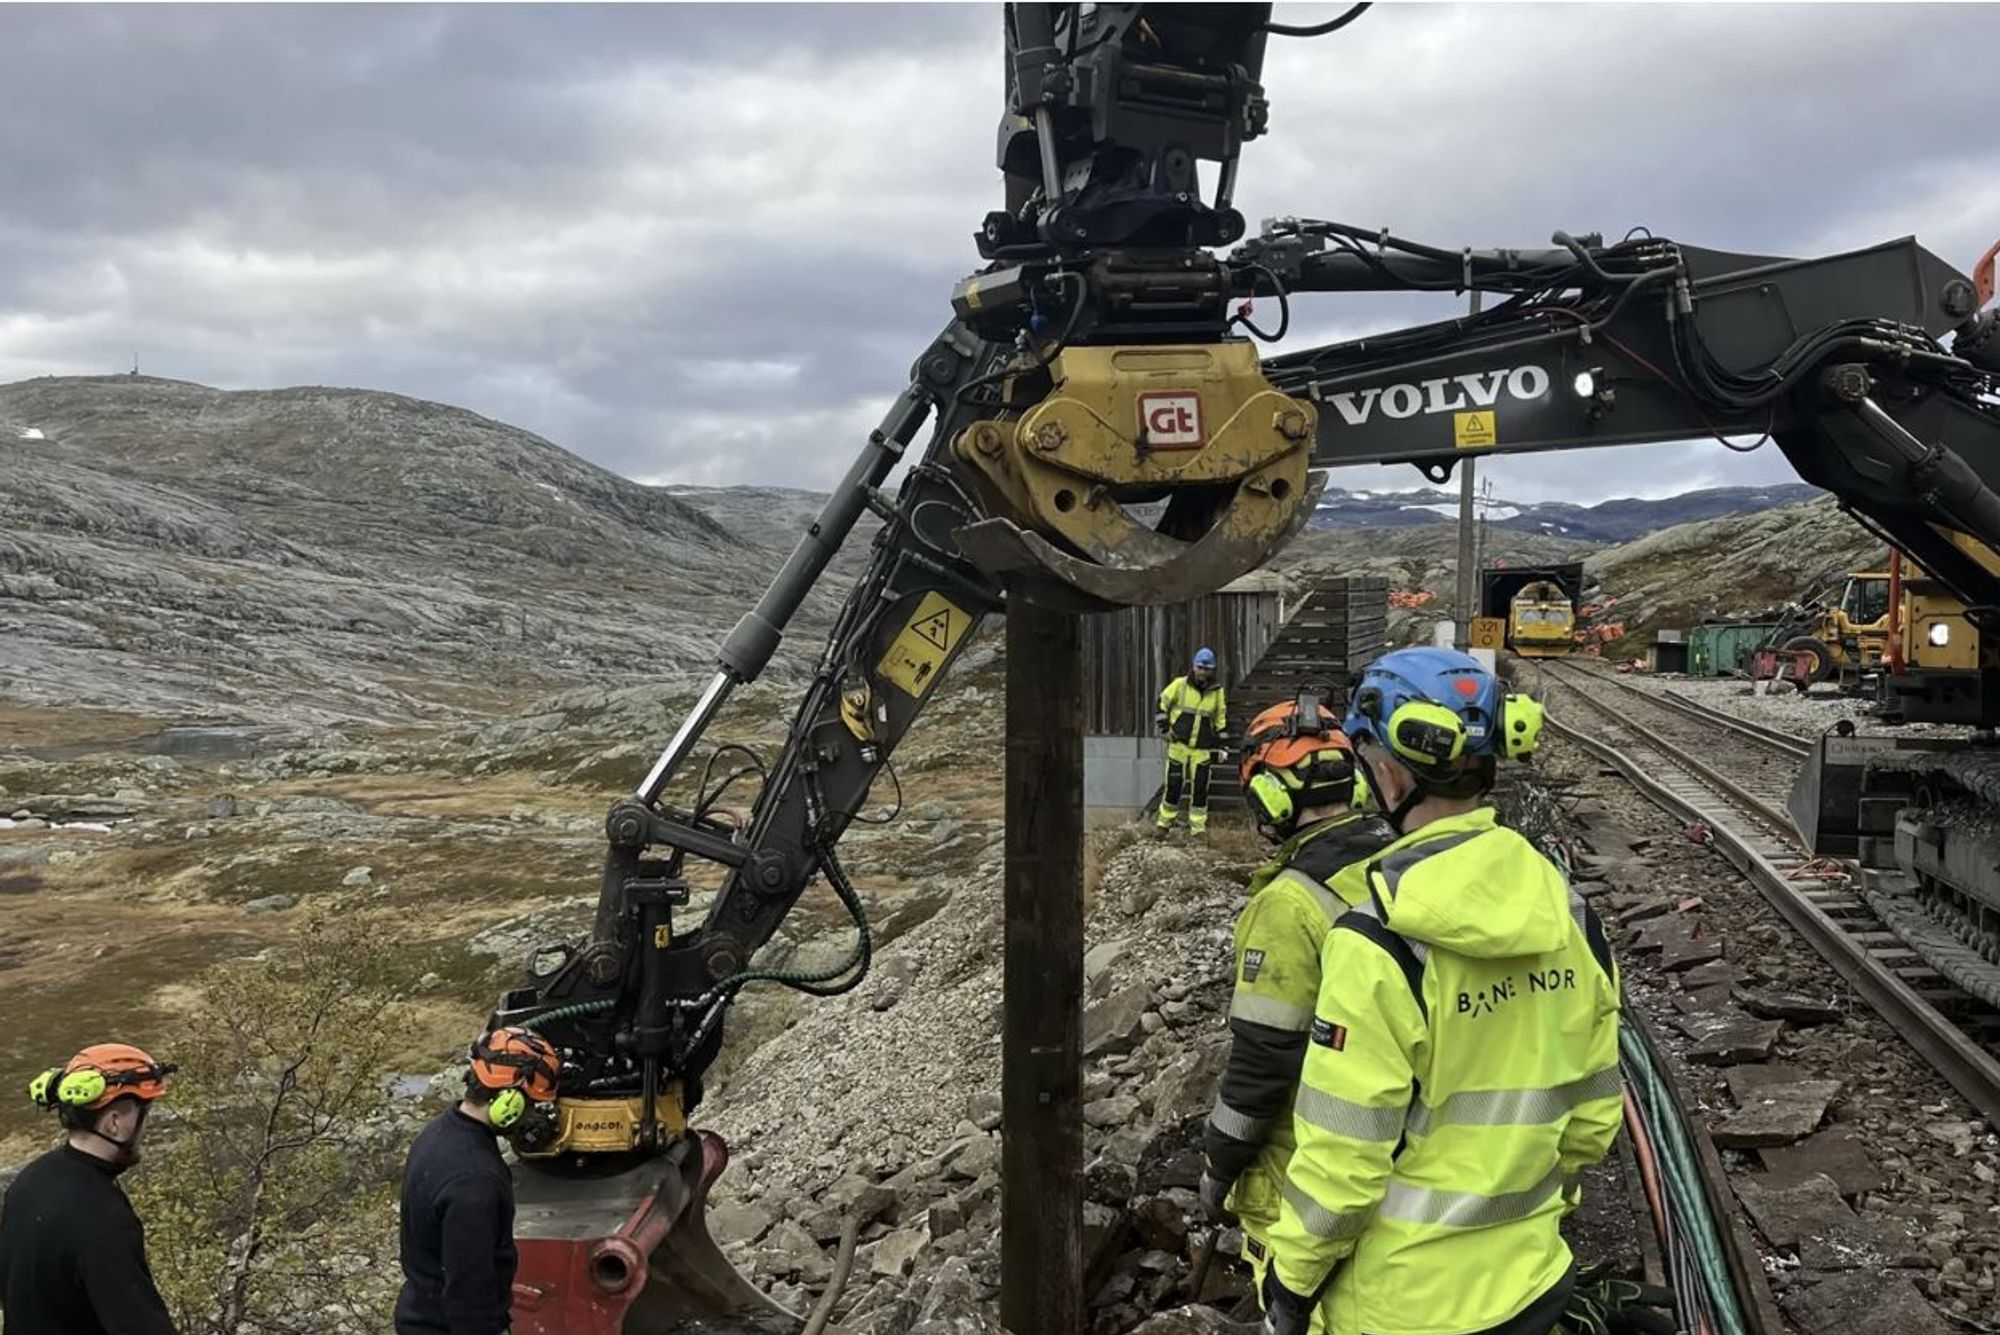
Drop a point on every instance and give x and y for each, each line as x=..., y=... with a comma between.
x=1541, y=621
x=1537, y=604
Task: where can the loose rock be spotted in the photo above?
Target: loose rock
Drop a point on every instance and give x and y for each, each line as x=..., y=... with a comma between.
x=1777, y=1115
x=1112, y=1025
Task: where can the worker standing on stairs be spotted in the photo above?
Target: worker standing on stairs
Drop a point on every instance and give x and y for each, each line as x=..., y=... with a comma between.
x=1194, y=718
x=1462, y=1065
x=1300, y=784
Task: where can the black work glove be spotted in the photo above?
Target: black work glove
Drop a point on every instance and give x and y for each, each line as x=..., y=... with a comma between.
x=1160, y=724
x=1285, y=1312
x=1606, y=1305
x=1214, y=1191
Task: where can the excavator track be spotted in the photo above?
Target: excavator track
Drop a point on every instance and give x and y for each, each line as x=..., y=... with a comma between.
x=1931, y=837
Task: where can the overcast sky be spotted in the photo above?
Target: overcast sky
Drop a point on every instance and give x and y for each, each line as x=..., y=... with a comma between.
x=702, y=244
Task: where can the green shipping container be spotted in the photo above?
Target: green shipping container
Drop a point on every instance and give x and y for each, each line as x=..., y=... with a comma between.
x=1723, y=648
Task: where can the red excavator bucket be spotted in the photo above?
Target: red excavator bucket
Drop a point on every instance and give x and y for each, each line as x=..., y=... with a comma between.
x=630, y=1253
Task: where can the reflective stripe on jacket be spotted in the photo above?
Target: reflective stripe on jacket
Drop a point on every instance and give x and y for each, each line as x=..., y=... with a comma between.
x=1278, y=939
x=1195, y=717
x=1462, y=1066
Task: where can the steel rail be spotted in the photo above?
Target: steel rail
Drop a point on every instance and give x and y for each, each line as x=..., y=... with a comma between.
x=1771, y=738
x=1972, y=1070
x=1776, y=816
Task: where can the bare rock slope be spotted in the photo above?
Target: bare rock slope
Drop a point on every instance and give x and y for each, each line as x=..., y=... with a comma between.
x=326, y=554
x=1730, y=566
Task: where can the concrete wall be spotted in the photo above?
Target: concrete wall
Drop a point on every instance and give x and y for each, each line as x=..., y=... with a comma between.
x=1120, y=775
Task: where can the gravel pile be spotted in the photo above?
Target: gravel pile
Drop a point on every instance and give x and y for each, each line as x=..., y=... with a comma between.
x=886, y=1103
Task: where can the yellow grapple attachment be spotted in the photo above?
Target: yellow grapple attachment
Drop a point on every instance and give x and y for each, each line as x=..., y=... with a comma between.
x=608, y=1125
x=1197, y=426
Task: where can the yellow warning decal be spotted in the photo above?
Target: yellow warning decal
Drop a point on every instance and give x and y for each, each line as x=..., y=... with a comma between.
x=920, y=648
x=1472, y=430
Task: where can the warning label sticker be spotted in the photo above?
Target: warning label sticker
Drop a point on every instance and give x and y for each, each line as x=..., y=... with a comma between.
x=919, y=650
x=1472, y=430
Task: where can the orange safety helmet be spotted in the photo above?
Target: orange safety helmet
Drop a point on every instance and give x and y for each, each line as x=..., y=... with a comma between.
x=1295, y=757
x=1280, y=737
x=516, y=1058
x=99, y=1076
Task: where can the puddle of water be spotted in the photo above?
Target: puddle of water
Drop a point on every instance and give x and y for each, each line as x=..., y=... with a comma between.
x=409, y=1087
x=220, y=742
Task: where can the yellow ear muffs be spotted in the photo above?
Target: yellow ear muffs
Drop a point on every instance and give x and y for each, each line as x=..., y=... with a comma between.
x=507, y=1107
x=1520, y=726
x=1427, y=735
x=41, y=1088
x=1271, y=804
x=81, y=1087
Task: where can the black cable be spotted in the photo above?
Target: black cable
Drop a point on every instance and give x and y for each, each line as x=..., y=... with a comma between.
x=1320, y=29
x=709, y=800
x=703, y=798
x=1071, y=18
x=1076, y=305
x=943, y=476
x=1043, y=358
x=859, y=819
x=1284, y=308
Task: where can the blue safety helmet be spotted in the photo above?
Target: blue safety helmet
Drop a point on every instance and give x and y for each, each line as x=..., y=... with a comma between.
x=1444, y=716
x=1204, y=658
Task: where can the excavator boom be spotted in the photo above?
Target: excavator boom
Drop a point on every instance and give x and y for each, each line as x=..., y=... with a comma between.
x=1839, y=360
x=1094, y=427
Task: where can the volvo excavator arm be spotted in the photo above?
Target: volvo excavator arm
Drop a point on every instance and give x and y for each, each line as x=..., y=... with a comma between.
x=1842, y=361
x=1098, y=369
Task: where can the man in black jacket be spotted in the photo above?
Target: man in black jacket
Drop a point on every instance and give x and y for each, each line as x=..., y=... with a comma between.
x=458, y=1196
x=72, y=1252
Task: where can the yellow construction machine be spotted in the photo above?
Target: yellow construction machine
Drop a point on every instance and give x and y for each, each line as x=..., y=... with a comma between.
x=1834, y=636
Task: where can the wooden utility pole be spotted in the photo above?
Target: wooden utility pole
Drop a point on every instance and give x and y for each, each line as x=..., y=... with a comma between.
x=1041, y=1082
x=1468, y=556
x=1468, y=542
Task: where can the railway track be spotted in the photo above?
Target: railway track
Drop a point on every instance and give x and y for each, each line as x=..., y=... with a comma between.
x=1732, y=777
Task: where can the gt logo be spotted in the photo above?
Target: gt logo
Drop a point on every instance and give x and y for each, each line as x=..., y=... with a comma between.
x=1171, y=421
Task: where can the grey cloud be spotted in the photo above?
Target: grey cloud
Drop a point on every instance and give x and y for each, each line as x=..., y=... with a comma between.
x=703, y=243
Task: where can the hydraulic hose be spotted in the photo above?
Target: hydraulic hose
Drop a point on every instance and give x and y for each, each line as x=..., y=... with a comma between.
x=569, y=1012
x=1694, y=1227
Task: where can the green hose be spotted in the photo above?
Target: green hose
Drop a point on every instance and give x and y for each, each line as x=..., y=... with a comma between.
x=1679, y=1165
x=820, y=982
x=569, y=1012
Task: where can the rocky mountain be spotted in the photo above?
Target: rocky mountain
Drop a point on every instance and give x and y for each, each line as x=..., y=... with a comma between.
x=1609, y=521
x=1729, y=566
x=317, y=556
x=325, y=554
